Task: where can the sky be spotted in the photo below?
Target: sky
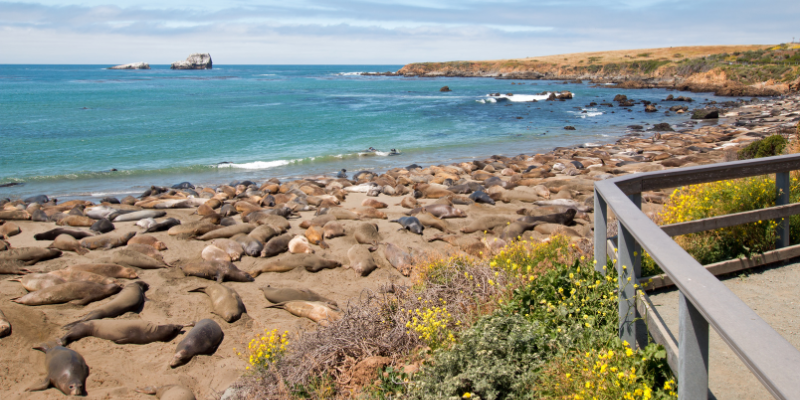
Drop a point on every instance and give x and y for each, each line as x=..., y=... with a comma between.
x=373, y=31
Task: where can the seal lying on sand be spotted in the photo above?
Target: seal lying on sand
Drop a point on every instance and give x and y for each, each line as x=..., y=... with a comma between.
x=68, y=243
x=12, y=267
x=225, y=302
x=148, y=240
x=131, y=298
x=66, y=370
x=80, y=293
x=277, y=245
x=398, y=258
x=216, y=270
x=54, y=233
x=282, y=295
x=5, y=326
x=318, y=312
x=106, y=242
x=29, y=255
x=34, y=282
x=126, y=331
x=168, y=392
x=135, y=259
x=204, y=338
x=288, y=262
x=361, y=260
x=411, y=224
x=109, y=270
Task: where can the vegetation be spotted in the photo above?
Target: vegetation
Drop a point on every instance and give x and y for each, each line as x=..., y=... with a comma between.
x=767, y=147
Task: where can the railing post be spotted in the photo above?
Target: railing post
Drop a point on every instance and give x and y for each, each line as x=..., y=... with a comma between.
x=692, y=353
x=600, y=230
x=782, y=188
x=632, y=327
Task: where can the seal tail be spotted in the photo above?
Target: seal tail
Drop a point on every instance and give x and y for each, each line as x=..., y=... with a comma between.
x=280, y=305
x=200, y=289
x=15, y=279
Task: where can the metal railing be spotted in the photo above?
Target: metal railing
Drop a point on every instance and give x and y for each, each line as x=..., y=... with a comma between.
x=704, y=300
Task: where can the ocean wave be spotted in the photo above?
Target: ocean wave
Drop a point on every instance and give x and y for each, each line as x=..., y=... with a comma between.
x=258, y=164
x=517, y=98
x=587, y=113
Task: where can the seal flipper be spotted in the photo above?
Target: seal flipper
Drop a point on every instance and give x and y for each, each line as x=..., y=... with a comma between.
x=147, y=390
x=43, y=385
x=201, y=289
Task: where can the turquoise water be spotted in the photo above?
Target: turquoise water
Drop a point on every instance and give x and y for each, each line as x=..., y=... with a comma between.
x=63, y=128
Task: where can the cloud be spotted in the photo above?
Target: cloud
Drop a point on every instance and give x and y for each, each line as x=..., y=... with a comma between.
x=400, y=32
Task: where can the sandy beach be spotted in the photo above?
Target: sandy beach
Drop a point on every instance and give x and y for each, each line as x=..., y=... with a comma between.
x=557, y=180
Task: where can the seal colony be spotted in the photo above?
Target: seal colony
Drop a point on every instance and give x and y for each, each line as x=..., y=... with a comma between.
x=211, y=266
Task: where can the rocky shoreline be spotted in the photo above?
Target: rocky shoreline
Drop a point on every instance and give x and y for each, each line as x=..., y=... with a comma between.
x=336, y=236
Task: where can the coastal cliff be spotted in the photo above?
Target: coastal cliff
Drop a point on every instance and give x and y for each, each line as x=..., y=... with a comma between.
x=138, y=65
x=754, y=70
x=194, y=61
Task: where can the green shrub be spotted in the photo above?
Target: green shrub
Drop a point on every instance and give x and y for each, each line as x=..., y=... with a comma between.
x=767, y=147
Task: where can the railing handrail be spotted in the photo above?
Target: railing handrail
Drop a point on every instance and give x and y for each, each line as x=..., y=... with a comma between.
x=771, y=358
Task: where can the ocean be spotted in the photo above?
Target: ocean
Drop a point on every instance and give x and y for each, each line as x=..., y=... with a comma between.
x=64, y=128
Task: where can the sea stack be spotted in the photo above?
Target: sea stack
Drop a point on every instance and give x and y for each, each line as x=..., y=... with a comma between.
x=194, y=61
x=138, y=65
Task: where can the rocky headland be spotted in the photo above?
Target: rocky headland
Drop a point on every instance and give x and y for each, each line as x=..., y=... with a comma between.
x=138, y=65
x=755, y=70
x=194, y=61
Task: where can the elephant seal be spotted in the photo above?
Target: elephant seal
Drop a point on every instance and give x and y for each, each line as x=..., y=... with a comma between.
x=333, y=229
x=145, y=249
x=12, y=267
x=110, y=270
x=85, y=276
x=168, y=392
x=320, y=220
x=367, y=233
x=135, y=259
x=263, y=233
x=361, y=260
x=54, y=233
x=288, y=262
x=102, y=226
x=9, y=229
x=282, y=295
x=68, y=243
x=411, y=224
x=100, y=212
x=429, y=220
x=4, y=245
x=146, y=223
x=481, y=197
x=148, y=240
x=566, y=203
x=277, y=245
x=225, y=302
x=214, y=253
x=342, y=214
x=515, y=229
x=138, y=215
x=369, y=213
x=34, y=282
x=399, y=259
x=318, y=312
x=5, y=326
x=76, y=220
x=250, y=245
x=66, y=370
x=130, y=331
x=204, y=338
x=227, y=232
x=130, y=298
x=485, y=223
x=29, y=255
x=216, y=270
x=316, y=235
x=564, y=218
x=106, y=242
x=409, y=202
x=165, y=225
x=18, y=215
x=39, y=216
x=79, y=292
x=231, y=247
x=277, y=222
x=299, y=244
x=442, y=211
x=374, y=203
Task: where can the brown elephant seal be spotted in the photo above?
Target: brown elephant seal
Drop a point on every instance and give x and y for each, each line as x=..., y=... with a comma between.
x=225, y=302
x=66, y=370
x=486, y=223
x=29, y=255
x=369, y=213
x=145, y=249
x=429, y=220
x=214, y=253
x=18, y=215
x=85, y=276
x=66, y=242
x=288, y=262
x=9, y=229
x=263, y=233
x=34, y=282
x=216, y=270
x=168, y=392
x=409, y=202
x=12, y=267
x=54, y=233
x=410, y=224
x=367, y=233
x=277, y=245
x=563, y=218
x=192, y=229
x=282, y=295
x=399, y=259
x=135, y=259
x=76, y=220
x=79, y=292
x=125, y=331
x=361, y=260
x=164, y=225
x=227, y=232
x=299, y=244
x=204, y=338
x=316, y=235
x=333, y=229
x=374, y=203
x=130, y=298
x=318, y=312
x=342, y=214
x=514, y=230
x=107, y=241
x=149, y=241
x=110, y=270
x=277, y=222
x=5, y=325
x=444, y=211
x=251, y=246
x=231, y=247
x=320, y=220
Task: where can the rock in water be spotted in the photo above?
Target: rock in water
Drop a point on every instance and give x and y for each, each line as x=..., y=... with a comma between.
x=138, y=65
x=194, y=61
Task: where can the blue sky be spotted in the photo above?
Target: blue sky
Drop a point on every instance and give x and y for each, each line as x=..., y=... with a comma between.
x=372, y=31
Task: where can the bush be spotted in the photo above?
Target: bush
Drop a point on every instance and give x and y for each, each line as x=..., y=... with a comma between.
x=767, y=147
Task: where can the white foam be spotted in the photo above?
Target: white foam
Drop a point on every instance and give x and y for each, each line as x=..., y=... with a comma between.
x=587, y=112
x=103, y=194
x=349, y=73
x=257, y=164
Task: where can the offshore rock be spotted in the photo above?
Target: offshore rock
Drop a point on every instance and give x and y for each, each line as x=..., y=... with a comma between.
x=194, y=61
x=138, y=65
